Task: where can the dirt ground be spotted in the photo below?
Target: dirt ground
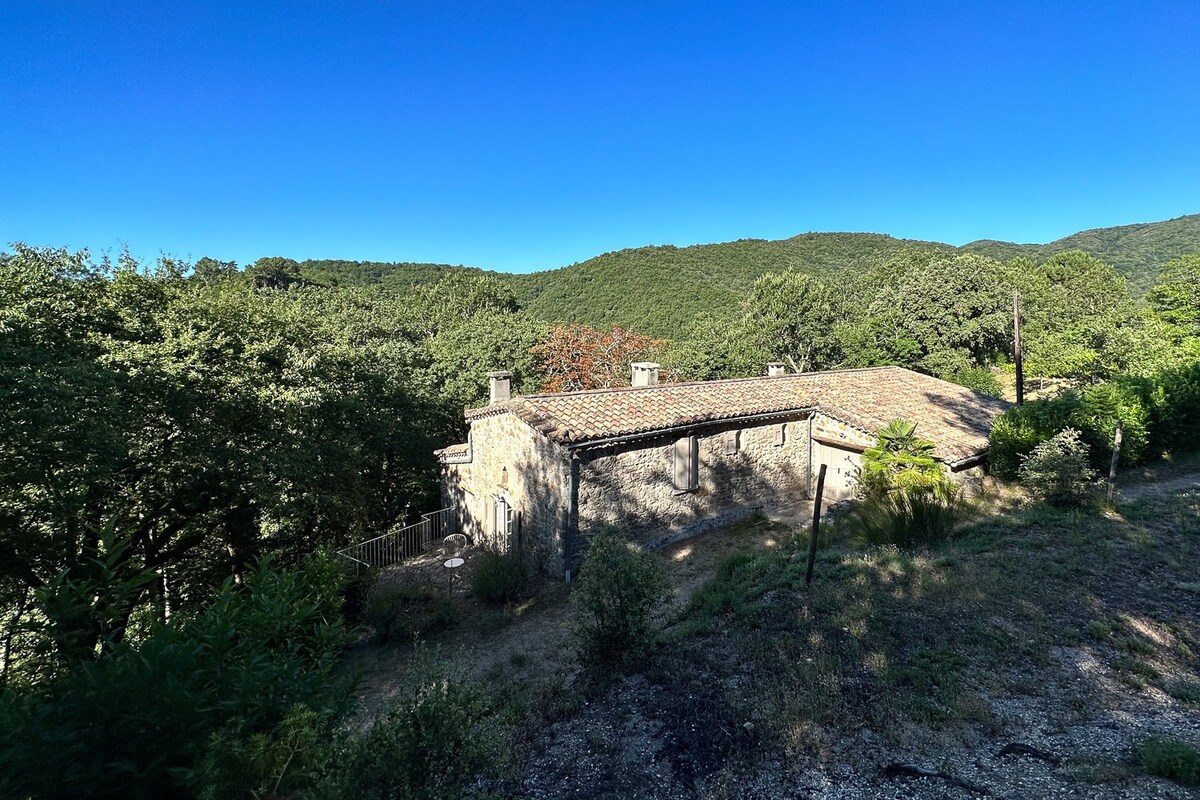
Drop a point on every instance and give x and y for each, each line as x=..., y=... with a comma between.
x=1027, y=660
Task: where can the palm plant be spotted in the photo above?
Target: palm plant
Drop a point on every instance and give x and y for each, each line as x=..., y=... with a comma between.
x=900, y=461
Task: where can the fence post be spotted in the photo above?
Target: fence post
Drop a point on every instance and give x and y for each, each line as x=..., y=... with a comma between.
x=816, y=526
x=1112, y=469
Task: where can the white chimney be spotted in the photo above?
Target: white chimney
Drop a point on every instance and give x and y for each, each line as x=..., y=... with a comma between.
x=501, y=381
x=645, y=373
x=775, y=369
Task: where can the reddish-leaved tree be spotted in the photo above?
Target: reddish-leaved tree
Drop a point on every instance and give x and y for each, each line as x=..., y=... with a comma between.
x=575, y=357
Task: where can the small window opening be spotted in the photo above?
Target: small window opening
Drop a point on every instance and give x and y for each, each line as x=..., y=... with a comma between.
x=732, y=442
x=781, y=435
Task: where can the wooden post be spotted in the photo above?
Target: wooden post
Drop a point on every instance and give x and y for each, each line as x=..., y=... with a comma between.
x=1112, y=470
x=816, y=526
x=1017, y=347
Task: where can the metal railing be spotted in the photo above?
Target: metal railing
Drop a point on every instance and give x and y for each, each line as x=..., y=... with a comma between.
x=401, y=544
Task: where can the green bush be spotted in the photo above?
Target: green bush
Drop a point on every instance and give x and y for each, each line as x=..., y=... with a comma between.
x=914, y=517
x=1021, y=428
x=435, y=738
x=618, y=593
x=1175, y=410
x=1159, y=414
x=1099, y=409
x=1057, y=470
x=499, y=577
x=1171, y=759
x=981, y=379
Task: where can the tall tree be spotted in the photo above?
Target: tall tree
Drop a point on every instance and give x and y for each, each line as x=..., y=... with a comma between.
x=791, y=317
x=576, y=357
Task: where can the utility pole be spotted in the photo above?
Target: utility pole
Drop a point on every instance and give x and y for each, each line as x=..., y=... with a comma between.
x=1017, y=347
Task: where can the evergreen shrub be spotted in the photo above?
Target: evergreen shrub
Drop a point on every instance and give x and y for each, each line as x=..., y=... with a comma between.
x=499, y=577
x=619, y=592
x=1057, y=470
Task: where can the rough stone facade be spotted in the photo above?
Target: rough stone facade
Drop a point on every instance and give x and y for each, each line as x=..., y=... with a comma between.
x=828, y=429
x=630, y=488
x=511, y=461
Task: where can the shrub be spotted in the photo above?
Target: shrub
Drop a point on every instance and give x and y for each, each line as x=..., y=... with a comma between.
x=981, y=379
x=1021, y=428
x=1057, y=470
x=133, y=722
x=618, y=592
x=1099, y=409
x=1157, y=414
x=499, y=577
x=401, y=605
x=1171, y=759
x=913, y=517
x=1175, y=409
x=436, y=736
x=901, y=460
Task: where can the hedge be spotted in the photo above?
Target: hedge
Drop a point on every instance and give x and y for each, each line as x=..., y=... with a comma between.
x=1158, y=415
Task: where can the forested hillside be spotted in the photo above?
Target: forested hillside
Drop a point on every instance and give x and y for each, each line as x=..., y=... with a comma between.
x=659, y=290
x=1137, y=251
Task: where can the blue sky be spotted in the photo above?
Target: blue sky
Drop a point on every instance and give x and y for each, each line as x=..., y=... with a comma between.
x=524, y=136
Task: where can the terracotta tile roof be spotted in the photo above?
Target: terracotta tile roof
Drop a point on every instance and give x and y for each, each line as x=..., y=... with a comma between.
x=453, y=450
x=956, y=418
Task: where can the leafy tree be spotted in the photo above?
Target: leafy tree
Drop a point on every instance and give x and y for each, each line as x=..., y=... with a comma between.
x=458, y=297
x=1079, y=317
x=575, y=357
x=275, y=272
x=203, y=424
x=791, y=317
x=460, y=354
x=210, y=269
x=941, y=313
x=1176, y=296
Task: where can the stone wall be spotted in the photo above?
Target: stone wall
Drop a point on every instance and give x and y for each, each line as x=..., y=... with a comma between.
x=512, y=461
x=828, y=429
x=630, y=488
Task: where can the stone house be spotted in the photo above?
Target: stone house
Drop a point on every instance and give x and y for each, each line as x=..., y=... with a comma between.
x=539, y=474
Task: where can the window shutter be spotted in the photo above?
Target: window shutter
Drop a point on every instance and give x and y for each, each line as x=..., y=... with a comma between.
x=685, y=477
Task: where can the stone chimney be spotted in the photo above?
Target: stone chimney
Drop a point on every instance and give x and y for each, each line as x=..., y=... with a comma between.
x=775, y=369
x=501, y=381
x=645, y=373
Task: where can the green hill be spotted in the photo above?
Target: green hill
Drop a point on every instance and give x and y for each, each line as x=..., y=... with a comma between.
x=1137, y=251
x=657, y=290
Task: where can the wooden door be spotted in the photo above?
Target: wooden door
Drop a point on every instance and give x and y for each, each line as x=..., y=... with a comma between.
x=840, y=473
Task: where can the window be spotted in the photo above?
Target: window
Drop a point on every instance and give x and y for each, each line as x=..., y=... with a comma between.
x=732, y=441
x=504, y=525
x=686, y=475
x=781, y=435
